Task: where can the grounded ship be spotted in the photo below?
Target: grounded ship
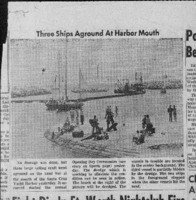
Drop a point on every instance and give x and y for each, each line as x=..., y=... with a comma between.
x=62, y=104
x=124, y=87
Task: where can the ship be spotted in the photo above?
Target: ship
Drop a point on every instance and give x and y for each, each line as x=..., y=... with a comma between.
x=84, y=88
x=163, y=89
x=62, y=103
x=124, y=87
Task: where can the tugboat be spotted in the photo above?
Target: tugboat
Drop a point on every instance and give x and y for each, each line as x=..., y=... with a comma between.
x=62, y=104
x=123, y=87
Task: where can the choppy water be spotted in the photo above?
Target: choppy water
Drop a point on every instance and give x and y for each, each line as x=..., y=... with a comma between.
x=31, y=120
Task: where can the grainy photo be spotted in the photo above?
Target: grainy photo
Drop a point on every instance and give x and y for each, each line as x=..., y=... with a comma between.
x=96, y=98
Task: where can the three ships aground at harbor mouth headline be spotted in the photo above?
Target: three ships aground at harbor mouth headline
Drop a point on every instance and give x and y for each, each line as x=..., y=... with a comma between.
x=102, y=33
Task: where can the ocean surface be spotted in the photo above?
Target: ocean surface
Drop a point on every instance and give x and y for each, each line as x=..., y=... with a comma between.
x=29, y=121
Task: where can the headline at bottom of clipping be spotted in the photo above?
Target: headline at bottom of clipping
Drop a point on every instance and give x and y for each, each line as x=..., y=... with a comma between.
x=121, y=197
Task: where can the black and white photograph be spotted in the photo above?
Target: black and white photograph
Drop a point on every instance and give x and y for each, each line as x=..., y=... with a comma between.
x=96, y=98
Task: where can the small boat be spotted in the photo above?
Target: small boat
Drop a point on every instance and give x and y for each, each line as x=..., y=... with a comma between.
x=163, y=91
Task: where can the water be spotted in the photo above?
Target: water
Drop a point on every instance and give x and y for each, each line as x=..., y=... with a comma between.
x=31, y=120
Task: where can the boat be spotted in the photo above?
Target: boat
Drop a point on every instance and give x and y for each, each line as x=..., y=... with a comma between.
x=65, y=105
x=87, y=89
x=124, y=87
x=163, y=89
x=51, y=104
x=62, y=104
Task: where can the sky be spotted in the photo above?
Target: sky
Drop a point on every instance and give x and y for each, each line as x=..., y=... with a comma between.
x=114, y=59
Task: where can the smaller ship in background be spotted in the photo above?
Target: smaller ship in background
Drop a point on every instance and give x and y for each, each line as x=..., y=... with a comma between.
x=124, y=87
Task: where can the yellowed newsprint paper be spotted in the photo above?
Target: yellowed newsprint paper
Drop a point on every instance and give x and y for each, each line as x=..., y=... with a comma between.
x=98, y=101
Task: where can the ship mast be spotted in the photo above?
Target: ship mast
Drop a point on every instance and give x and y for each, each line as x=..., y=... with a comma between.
x=97, y=71
x=80, y=74
x=55, y=86
x=66, y=97
x=58, y=57
x=135, y=77
x=165, y=80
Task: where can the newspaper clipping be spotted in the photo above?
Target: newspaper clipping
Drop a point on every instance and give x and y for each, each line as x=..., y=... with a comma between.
x=98, y=101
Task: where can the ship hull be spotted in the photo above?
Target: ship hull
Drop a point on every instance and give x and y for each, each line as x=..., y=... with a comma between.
x=129, y=93
x=69, y=106
x=89, y=91
x=64, y=106
x=51, y=106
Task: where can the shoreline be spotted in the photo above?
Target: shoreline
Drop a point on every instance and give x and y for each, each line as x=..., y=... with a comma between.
x=23, y=100
x=103, y=151
x=75, y=100
x=119, y=144
x=167, y=141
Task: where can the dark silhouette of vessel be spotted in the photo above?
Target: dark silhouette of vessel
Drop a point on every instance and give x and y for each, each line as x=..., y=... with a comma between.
x=163, y=89
x=124, y=87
